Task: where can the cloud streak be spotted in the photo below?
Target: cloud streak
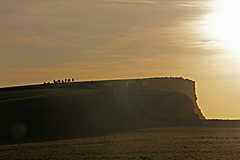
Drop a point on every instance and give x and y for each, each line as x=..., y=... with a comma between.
x=133, y=1
x=103, y=35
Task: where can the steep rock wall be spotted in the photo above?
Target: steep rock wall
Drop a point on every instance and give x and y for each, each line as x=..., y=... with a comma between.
x=184, y=86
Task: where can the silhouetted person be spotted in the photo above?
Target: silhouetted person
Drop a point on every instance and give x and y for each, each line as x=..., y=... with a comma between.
x=69, y=80
x=54, y=81
x=72, y=79
x=62, y=81
x=59, y=81
x=65, y=80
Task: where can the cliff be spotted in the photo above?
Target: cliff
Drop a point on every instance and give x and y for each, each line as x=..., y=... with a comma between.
x=46, y=112
x=159, y=97
x=184, y=86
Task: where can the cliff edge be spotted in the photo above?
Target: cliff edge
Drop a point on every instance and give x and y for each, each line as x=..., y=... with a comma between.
x=182, y=85
x=159, y=97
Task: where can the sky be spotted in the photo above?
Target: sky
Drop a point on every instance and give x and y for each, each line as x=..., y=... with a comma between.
x=115, y=39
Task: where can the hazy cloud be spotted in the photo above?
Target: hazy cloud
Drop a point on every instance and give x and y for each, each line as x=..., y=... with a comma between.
x=96, y=34
x=133, y=1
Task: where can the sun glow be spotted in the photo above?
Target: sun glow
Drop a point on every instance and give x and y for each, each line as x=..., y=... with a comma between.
x=224, y=24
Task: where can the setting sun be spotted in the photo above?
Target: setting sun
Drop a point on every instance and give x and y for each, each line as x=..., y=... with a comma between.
x=224, y=24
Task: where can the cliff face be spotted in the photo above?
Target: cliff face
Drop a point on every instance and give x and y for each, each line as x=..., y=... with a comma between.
x=181, y=85
x=159, y=97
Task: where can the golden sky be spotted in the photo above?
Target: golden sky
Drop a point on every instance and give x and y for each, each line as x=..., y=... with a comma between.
x=109, y=39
